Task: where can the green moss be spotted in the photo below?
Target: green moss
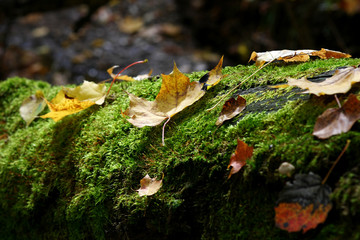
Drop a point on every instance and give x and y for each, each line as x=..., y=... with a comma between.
x=76, y=179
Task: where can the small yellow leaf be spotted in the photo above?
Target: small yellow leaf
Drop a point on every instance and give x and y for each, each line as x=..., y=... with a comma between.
x=62, y=106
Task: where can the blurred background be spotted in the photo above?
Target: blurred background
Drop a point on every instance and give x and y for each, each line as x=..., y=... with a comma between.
x=67, y=41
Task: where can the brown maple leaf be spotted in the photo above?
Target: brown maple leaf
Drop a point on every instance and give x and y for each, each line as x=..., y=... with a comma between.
x=238, y=159
x=338, y=120
x=231, y=108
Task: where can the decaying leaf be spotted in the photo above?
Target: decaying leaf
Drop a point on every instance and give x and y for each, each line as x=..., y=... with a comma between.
x=149, y=186
x=238, y=159
x=213, y=77
x=338, y=120
x=32, y=106
x=303, y=204
x=88, y=91
x=176, y=93
x=294, y=55
x=340, y=82
x=231, y=108
x=61, y=106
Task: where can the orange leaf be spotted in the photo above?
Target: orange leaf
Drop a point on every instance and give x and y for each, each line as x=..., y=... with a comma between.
x=238, y=159
x=292, y=217
x=303, y=203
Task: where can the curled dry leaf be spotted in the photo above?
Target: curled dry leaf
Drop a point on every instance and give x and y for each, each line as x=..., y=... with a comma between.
x=338, y=120
x=294, y=55
x=340, y=82
x=32, y=106
x=213, y=77
x=238, y=159
x=303, y=203
x=231, y=108
x=149, y=186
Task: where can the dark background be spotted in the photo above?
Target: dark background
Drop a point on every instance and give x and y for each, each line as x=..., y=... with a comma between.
x=67, y=41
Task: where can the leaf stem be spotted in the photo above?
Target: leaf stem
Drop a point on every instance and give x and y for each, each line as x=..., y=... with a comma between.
x=163, y=132
x=231, y=90
x=337, y=100
x=336, y=161
x=142, y=61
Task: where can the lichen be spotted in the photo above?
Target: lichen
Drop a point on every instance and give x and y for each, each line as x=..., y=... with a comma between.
x=76, y=179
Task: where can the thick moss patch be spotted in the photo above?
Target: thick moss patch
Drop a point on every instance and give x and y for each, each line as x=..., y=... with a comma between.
x=76, y=179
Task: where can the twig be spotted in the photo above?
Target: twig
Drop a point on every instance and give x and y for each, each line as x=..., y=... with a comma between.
x=337, y=100
x=231, y=90
x=336, y=161
x=163, y=132
x=142, y=61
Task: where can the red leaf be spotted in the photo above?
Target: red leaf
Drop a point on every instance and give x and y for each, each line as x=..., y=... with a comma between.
x=238, y=159
x=303, y=204
x=293, y=217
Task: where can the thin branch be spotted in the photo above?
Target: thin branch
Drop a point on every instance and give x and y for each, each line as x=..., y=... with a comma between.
x=336, y=161
x=142, y=61
x=337, y=100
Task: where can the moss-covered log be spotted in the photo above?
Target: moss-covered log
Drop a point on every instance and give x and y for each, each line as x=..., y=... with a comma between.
x=76, y=178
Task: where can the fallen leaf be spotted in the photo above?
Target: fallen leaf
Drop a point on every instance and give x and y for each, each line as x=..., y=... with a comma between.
x=294, y=55
x=176, y=93
x=340, y=82
x=88, y=91
x=303, y=204
x=149, y=186
x=213, y=77
x=231, y=108
x=338, y=120
x=32, y=106
x=238, y=159
x=61, y=106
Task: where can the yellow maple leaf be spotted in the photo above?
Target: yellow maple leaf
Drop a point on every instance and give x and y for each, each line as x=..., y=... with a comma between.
x=61, y=106
x=176, y=93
